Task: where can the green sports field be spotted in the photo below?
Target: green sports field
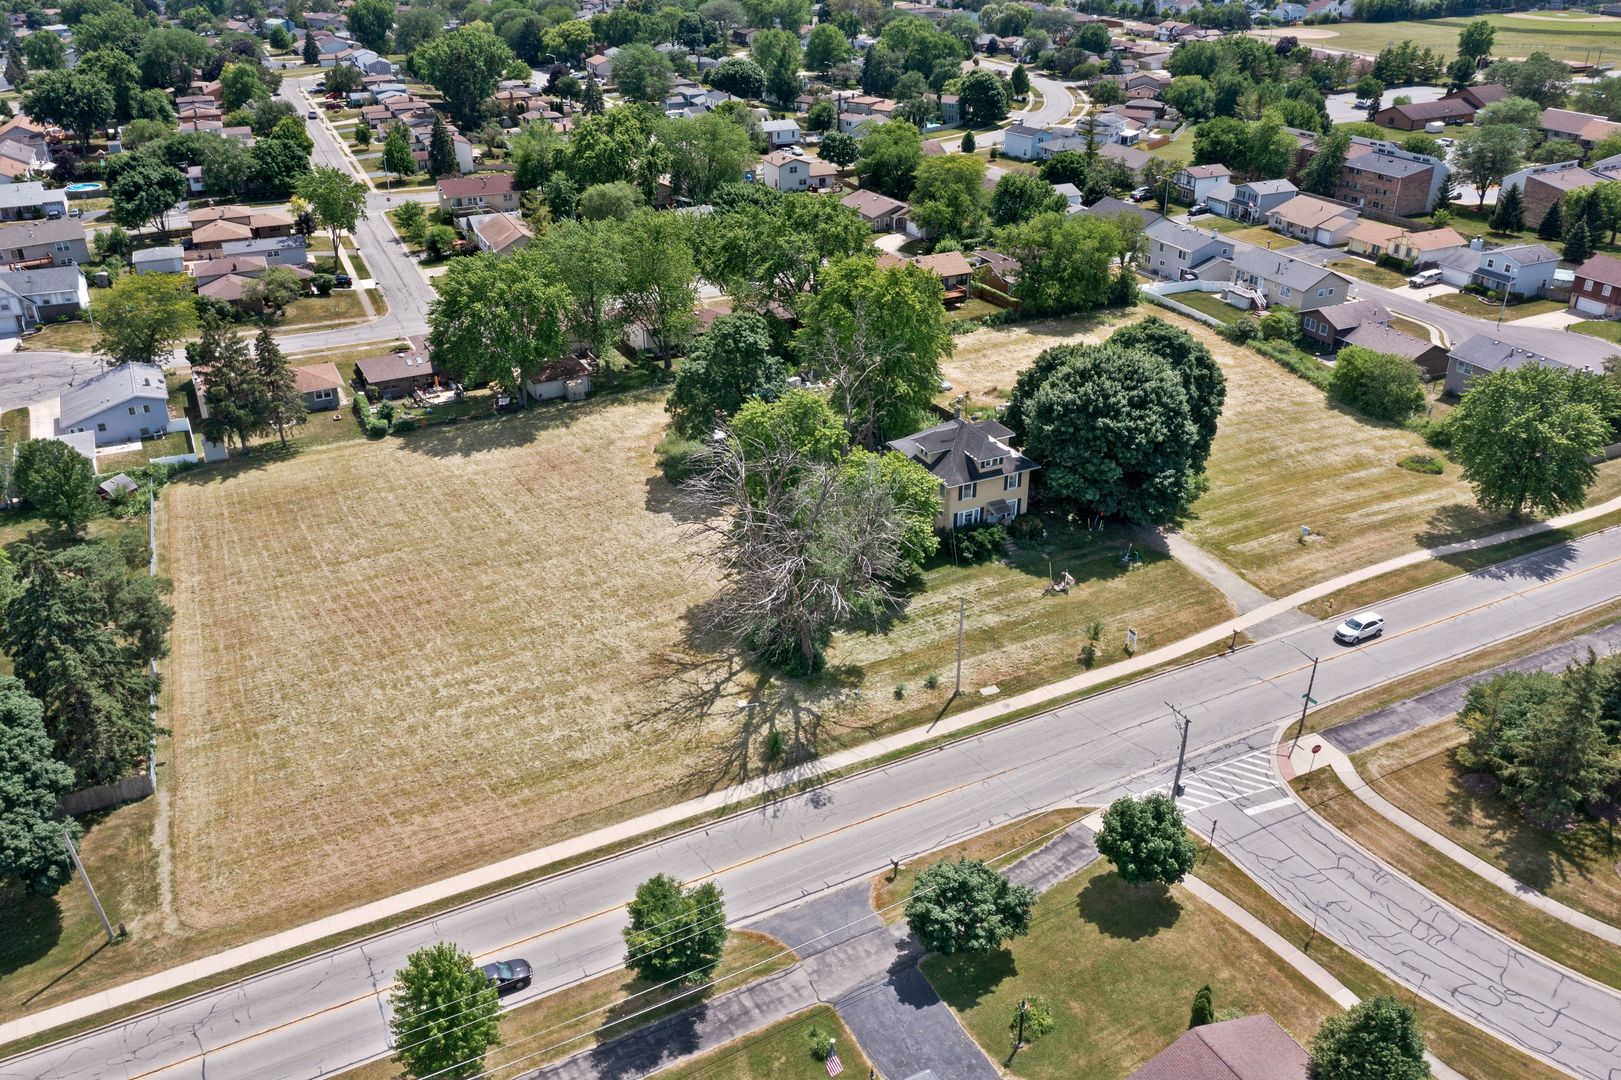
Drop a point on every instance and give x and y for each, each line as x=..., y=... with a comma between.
x=1571, y=36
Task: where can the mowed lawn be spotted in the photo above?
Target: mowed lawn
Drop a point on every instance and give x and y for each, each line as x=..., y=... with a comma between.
x=1119, y=966
x=1285, y=457
x=399, y=659
x=1591, y=39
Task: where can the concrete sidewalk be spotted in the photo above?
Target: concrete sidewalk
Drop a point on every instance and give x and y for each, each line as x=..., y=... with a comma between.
x=530, y=862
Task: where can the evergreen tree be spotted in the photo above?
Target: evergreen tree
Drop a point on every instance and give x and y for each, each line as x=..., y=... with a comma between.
x=1553, y=223
x=591, y=101
x=1020, y=81
x=32, y=784
x=1204, y=1008
x=968, y=142
x=237, y=407
x=441, y=150
x=1578, y=243
x=312, y=55
x=1509, y=217
x=16, y=70
x=284, y=405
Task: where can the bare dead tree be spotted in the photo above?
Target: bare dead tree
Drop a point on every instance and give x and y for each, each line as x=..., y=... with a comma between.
x=803, y=547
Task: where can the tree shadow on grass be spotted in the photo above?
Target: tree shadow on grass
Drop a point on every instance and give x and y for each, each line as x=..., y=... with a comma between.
x=33, y=928
x=966, y=979
x=1132, y=912
x=623, y=1050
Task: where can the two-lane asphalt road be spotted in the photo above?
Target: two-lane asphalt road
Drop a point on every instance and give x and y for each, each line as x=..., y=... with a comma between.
x=322, y=1014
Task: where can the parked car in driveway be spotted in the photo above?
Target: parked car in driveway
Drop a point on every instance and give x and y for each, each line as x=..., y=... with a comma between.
x=1425, y=278
x=1369, y=624
x=508, y=976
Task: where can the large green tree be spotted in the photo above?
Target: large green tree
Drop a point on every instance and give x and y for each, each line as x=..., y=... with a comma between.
x=144, y=188
x=890, y=155
x=962, y=905
x=441, y=150
x=661, y=279
x=1322, y=173
x=1380, y=385
x=238, y=405
x=774, y=253
x=1194, y=364
x=80, y=633
x=1112, y=429
x=1065, y=261
x=336, y=198
x=733, y=362
x=1146, y=840
x=143, y=316
x=1524, y=436
x=57, y=481
x=466, y=65
x=983, y=98
x=370, y=21
x=587, y=258
x=32, y=784
x=826, y=47
x=948, y=195
x=284, y=404
x=642, y=73
x=777, y=53
x=1377, y=1039
x=878, y=335
x=77, y=100
x=446, y=1014
x=705, y=152
x=675, y=932
x=497, y=319
x=1018, y=197
x=397, y=159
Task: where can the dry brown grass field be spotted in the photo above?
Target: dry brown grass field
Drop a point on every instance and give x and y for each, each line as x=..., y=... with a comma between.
x=395, y=660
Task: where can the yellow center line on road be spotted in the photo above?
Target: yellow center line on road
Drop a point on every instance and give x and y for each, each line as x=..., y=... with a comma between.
x=803, y=841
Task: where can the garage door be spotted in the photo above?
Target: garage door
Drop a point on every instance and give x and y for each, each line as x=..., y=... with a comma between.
x=1589, y=307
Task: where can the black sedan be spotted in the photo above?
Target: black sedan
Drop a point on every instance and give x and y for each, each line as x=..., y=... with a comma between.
x=508, y=976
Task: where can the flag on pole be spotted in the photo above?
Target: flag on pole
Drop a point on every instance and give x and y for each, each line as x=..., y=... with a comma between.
x=834, y=1065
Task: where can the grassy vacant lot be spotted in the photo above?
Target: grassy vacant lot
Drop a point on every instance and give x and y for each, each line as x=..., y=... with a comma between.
x=1609, y=331
x=1593, y=41
x=1418, y=774
x=396, y=605
x=76, y=335
x=1481, y=308
x=781, y=1052
x=1367, y=271
x=1179, y=150
x=550, y=1029
x=1458, y=1043
x=1120, y=967
x=1456, y=884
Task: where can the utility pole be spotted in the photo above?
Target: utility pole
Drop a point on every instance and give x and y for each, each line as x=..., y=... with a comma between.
x=1307, y=701
x=91, y=889
x=962, y=606
x=1024, y=1007
x=1181, y=755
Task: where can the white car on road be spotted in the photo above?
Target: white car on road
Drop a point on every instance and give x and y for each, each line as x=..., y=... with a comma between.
x=1369, y=624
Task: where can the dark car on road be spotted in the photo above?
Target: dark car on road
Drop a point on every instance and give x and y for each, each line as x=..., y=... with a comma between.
x=508, y=976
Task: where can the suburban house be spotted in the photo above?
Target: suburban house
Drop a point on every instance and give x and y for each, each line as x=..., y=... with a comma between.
x=1480, y=353
x=498, y=233
x=1584, y=129
x=49, y=293
x=782, y=171
x=31, y=199
x=475, y=194
x=1194, y=182
x=780, y=133
x=121, y=405
x=46, y=242
x=1250, y=201
x=1175, y=250
x=950, y=110
x=953, y=270
x=1597, y=288
x=1423, y=246
x=1266, y=279
x=1110, y=207
x=231, y=280
x=1249, y=1048
x=1312, y=220
x=1458, y=107
x=159, y=260
x=320, y=385
x=1328, y=326
x=982, y=477
x=600, y=67
x=1522, y=269
x=394, y=375
x=1371, y=239
x=23, y=161
x=1023, y=142
x=879, y=211
x=1429, y=357
x=258, y=221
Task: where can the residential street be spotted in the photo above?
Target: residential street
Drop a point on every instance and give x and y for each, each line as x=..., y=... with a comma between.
x=324, y=1013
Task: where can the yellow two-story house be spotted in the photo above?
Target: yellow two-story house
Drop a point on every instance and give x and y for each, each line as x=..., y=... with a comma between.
x=982, y=477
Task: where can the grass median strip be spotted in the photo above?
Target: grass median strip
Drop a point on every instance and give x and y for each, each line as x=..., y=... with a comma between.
x=1460, y=1044
x=1576, y=866
x=1456, y=884
x=781, y=1051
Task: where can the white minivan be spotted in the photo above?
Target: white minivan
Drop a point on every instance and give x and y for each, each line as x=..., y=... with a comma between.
x=1425, y=277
